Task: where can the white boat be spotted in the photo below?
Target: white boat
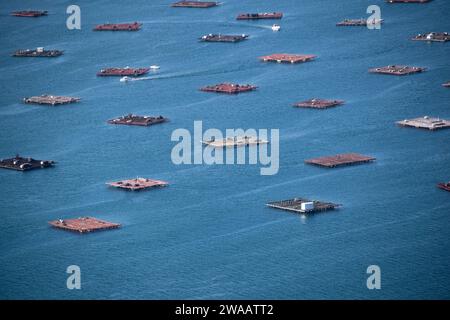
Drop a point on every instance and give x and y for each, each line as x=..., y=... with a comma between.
x=154, y=67
x=276, y=27
x=125, y=79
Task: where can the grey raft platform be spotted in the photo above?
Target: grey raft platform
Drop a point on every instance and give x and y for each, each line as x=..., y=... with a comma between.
x=194, y=4
x=135, y=120
x=84, y=224
x=433, y=37
x=138, y=184
x=230, y=88
x=407, y=1
x=288, y=58
x=426, y=122
x=317, y=103
x=50, y=100
x=38, y=52
x=223, y=38
x=358, y=22
x=24, y=164
x=303, y=206
x=397, y=70
x=340, y=160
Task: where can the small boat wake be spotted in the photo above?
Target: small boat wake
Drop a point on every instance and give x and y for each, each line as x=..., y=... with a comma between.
x=274, y=27
x=184, y=74
x=127, y=79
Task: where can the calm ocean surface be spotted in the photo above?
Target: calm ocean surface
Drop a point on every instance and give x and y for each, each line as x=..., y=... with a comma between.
x=209, y=235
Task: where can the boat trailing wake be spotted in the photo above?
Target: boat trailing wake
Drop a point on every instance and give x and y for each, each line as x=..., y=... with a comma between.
x=177, y=75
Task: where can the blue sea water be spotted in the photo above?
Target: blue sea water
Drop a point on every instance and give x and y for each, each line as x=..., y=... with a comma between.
x=209, y=235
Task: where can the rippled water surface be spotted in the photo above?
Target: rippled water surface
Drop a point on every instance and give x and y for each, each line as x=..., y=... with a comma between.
x=209, y=234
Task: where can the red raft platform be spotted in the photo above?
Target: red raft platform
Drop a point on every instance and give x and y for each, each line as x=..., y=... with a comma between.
x=257, y=16
x=230, y=88
x=121, y=72
x=84, y=224
x=138, y=184
x=319, y=103
x=135, y=26
x=194, y=4
x=288, y=58
x=340, y=160
x=30, y=13
x=397, y=70
x=444, y=186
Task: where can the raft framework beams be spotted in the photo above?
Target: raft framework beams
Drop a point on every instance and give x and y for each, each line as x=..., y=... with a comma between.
x=236, y=141
x=358, y=22
x=135, y=26
x=50, y=100
x=230, y=88
x=303, y=206
x=137, y=184
x=194, y=4
x=340, y=160
x=397, y=70
x=287, y=58
x=84, y=224
x=426, y=122
x=433, y=37
x=407, y=1
x=24, y=164
x=135, y=120
x=319, y=103
x=223, y=38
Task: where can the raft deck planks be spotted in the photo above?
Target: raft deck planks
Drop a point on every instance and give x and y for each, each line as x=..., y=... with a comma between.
x=426, y=122
x=137, y=184
x=287, y=58
x=340, y=160
x=51, y=100
x=84, y=224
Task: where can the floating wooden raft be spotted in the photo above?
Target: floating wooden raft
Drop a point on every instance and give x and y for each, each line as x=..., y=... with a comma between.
x=288, y=58
x=24, y=164
x=319, y=103
x=397, y=70
x=340, y=160
x=426, y=122
x=84, y=224
x=302, y=205
x=137, y=184
x=51, y=100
